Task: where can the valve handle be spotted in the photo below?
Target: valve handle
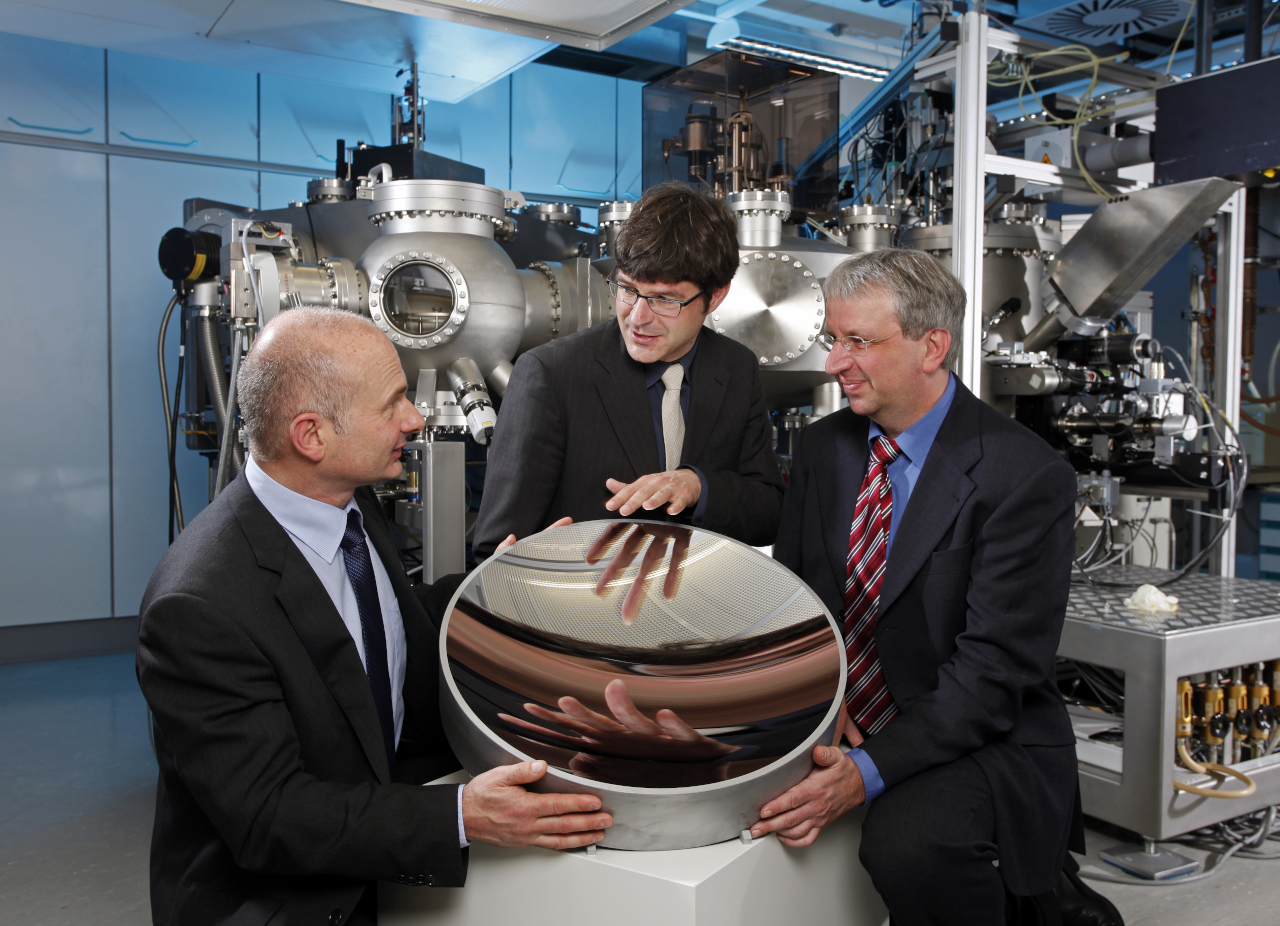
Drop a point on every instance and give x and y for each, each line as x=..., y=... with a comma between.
x=1243, y=723
x=1219, y=723
x=1264, y=718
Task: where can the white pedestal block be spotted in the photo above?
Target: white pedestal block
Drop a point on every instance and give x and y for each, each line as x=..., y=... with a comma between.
x=729, y=884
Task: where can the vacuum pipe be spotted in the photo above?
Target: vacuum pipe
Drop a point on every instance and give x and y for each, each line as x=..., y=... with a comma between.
x=211, y=358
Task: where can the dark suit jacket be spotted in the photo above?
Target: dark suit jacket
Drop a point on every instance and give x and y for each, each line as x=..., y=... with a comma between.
x=576, y=413
x=274, y=800
x=971, y=611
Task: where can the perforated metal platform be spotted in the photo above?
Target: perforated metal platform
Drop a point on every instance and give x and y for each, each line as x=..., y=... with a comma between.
x=1203, y=601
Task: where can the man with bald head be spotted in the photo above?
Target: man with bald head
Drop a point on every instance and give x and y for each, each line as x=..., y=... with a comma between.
x=293, y=671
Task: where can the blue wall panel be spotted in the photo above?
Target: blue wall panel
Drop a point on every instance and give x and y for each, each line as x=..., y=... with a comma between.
x=303, y=119
x=180, y=106
x=146, y=201
x=55, y=550
x=51, y=88
x=476, y=131
x=563, y=140
x=77, y=365
x=630, y=125
x=279, y=189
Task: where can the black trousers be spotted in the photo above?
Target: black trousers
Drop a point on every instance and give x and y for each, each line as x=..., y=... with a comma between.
x=929, y=846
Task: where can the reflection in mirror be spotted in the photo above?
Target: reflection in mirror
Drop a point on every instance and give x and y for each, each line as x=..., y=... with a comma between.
x=643, y=654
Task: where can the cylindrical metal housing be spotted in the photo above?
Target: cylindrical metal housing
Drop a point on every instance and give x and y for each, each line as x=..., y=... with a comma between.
x=190, y=255
x=827, y=398
x=740, y=649
x=869, y=228
x=499, y=376
x=330, y=190
x=404, y=206
x=1117, y=153
x=760, y=214
x=1109, y=349
x=557, y=213
x=612, y=217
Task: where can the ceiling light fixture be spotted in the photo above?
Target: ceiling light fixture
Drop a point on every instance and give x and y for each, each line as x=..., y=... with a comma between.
x=820, y=62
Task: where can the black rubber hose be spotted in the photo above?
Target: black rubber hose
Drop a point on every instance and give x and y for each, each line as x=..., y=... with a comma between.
x=175, y=497
x=175, y=494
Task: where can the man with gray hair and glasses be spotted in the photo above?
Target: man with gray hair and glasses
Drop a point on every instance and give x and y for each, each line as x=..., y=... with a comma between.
x=941, y=532
x=294, y=673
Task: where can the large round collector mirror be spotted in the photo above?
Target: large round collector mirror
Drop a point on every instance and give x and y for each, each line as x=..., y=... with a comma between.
x=681, y=676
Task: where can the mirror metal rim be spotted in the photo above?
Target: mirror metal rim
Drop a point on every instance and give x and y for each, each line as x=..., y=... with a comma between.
x=703, y=808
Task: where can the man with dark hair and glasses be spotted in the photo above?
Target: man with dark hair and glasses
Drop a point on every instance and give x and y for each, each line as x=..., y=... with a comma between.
x=652, y=415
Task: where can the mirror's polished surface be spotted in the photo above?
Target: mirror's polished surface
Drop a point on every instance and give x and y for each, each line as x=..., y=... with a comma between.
x=643, y=654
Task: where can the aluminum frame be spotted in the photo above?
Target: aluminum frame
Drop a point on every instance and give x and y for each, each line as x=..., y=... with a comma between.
x=1229, y=341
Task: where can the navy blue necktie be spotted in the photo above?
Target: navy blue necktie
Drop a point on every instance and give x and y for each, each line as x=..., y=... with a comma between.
x=355, y=552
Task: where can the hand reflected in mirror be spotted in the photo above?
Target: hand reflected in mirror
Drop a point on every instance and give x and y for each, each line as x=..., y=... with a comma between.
x=636, y=535
x=511, y=538
x=629, y=734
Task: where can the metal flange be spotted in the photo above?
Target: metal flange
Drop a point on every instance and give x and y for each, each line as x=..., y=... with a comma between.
x=461, y=301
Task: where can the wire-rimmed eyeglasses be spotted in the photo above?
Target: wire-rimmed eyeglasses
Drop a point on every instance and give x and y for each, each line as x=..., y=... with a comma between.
x=852, y=341
x=657, y=305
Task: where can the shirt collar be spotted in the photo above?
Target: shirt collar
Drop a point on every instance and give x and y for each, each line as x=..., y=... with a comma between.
x=320, y=526
x=653, y=371
x=916, y=440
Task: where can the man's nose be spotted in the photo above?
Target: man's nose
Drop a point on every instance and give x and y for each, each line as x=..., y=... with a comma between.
x=838, y=360
x=412, y=421
x=640, y=313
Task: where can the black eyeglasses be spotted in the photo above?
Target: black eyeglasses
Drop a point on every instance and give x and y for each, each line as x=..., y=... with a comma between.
x=657, y=305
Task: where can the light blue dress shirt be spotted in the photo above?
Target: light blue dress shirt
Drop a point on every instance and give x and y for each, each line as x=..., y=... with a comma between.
x=914, y=443
x=317, y=528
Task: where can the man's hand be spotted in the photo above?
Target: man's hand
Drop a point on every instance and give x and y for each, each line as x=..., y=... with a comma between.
x=678, y=489
x=661, y=534
x=631, y=735
x=832, y=789
x=498, y=810
x=511, y=538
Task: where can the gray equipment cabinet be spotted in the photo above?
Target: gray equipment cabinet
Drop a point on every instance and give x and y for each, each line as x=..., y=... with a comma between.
x=1220, y=623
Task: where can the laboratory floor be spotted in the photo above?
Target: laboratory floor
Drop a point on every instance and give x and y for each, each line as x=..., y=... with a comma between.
x=78, y=784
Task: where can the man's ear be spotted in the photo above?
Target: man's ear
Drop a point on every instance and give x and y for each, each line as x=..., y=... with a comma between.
x=306, y=434
x=937, y=343
x=716, y=297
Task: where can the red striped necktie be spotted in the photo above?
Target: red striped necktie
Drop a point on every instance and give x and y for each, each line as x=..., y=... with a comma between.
x=867, y=696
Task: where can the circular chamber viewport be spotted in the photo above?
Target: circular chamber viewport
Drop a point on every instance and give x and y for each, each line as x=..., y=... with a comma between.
x=419, y=298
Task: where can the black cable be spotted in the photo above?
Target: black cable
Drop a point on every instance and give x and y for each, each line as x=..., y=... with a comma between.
x=175, y=497
x=174, y=491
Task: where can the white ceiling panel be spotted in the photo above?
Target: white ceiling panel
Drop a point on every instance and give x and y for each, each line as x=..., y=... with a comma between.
x=592, y=24
x=356, y=45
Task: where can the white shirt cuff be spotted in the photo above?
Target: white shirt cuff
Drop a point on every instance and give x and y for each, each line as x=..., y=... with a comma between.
x=462, y=830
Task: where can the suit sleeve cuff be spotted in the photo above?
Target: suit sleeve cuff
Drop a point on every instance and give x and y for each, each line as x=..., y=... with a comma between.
x=872, y=783
x=462, y=830
x=701, y=508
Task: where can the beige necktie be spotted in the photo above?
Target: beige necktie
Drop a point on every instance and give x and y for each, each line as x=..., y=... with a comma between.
x=672, y=417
